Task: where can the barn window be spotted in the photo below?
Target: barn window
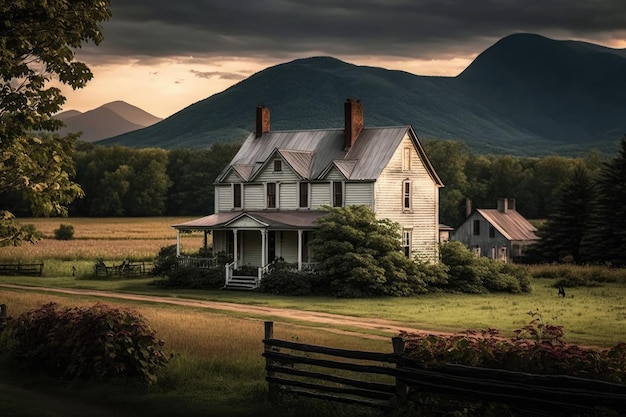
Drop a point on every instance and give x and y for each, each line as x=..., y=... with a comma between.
x=278, y=165
x=236, y=195
x=476, y=228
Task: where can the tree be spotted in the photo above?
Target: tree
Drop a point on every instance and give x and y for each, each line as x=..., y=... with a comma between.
x=37, y=42
x=569, y=222
x=607, y=239
x=362, y=255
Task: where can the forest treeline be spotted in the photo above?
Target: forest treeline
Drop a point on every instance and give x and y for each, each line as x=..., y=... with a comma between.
x=123, y=181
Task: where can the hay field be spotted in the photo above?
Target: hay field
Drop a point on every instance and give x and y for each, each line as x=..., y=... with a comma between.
x=109, y=239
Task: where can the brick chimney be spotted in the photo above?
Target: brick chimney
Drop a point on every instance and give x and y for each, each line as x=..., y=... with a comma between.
x=354, y=121
x=506, y=204
x=262, y=120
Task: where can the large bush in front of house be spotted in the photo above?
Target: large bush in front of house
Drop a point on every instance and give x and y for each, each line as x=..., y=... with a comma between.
x=471, y=274
x=362, y=255
x=98, y=342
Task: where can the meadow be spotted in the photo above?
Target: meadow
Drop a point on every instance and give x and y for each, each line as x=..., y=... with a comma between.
x=216, y=368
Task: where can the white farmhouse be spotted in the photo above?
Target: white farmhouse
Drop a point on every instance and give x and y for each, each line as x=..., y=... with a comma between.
x=270, y=195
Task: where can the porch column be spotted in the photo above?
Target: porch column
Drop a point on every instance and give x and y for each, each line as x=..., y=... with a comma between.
x=299, y=250
x=177, y=242
x=263, y=247
x=235, y=246
x=205, y=242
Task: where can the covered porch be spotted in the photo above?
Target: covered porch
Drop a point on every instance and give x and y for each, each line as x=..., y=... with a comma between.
x=254, y=240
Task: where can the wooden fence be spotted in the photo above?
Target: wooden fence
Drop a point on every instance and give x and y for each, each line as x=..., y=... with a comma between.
x=295, y=368
x=12, y=269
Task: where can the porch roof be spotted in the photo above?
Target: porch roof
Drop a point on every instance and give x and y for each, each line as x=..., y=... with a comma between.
x=273, y=219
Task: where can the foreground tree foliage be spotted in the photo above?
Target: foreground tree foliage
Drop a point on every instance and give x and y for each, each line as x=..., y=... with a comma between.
x=37, y=42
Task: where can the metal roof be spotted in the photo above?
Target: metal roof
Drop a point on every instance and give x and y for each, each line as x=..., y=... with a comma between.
x=511, y=224
x=311, y=152
x=293, y=219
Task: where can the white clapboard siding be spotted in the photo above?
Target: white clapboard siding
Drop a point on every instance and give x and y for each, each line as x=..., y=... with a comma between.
x=269, y=175
x=254, y=197
x=224, y=198
x=359, y=193
x=320, y=195
x=288, y=196
x=423, y=217
x=334, y=175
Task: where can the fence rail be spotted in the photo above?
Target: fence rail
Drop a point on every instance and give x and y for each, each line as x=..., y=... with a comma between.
x=12, y=269
x=407, y=376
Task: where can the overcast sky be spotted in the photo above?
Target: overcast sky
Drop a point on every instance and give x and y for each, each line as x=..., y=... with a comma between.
x=163, y=55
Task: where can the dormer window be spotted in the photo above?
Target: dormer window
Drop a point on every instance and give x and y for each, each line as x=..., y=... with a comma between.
x=278, y=165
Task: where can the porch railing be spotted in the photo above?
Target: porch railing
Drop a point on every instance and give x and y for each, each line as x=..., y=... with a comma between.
x=197, y=262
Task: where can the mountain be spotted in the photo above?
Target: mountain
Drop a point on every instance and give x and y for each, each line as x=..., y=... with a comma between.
x=525, y=95
x=109, y=120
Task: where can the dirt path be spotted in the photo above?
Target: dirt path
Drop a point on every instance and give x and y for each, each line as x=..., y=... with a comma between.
x=365, y=323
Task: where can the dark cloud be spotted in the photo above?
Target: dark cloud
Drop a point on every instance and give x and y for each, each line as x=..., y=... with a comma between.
x=437, y=29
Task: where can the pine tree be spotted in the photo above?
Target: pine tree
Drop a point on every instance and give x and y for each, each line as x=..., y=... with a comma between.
x=567, y=226
x=607, y=238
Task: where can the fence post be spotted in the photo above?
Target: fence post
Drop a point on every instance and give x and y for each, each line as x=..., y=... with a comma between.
x=269, y=334
x=401, y=387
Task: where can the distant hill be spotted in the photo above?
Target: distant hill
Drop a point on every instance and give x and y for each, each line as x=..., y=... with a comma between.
x=525, y=95
x=109, y=120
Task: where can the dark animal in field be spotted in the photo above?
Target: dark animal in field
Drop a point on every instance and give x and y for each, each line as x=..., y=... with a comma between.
x=562, y=292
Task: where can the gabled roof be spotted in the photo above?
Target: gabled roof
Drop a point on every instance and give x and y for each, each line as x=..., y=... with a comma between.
x=511, y=224
x=311, y=152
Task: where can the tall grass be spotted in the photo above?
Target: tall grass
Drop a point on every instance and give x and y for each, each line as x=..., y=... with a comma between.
x=216, y=368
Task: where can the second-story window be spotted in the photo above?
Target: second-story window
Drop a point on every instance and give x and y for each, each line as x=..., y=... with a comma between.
x=271, y=195
x=236, y=195
x=304, y=195
x=278, y=165
x=476, y=227
x=337, y=194
x=406, y=195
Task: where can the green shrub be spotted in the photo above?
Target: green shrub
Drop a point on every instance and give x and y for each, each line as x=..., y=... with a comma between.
x=287, y=282
x=98, y=342
x=471, y=274
x=193, y=278
x=64, y=232
x=165, y=261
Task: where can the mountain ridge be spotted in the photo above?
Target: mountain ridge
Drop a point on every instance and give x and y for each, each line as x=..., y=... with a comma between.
x=524, y=95
x=110, y=119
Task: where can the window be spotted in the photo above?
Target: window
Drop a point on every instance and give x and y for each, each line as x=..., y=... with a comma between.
x=476, y=230
x=304, y=195
x=406, y=159
x=278, y=165
x=271, y=195
x=406, y=243
x=492, y=231
x=406, y=195
x=337, y=194
x=236, y=195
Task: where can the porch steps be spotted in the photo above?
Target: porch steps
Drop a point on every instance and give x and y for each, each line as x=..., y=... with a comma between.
x=240, y=282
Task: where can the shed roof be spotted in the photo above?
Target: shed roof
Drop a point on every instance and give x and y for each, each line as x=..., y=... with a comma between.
x=511, y=224
x=293, y=219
